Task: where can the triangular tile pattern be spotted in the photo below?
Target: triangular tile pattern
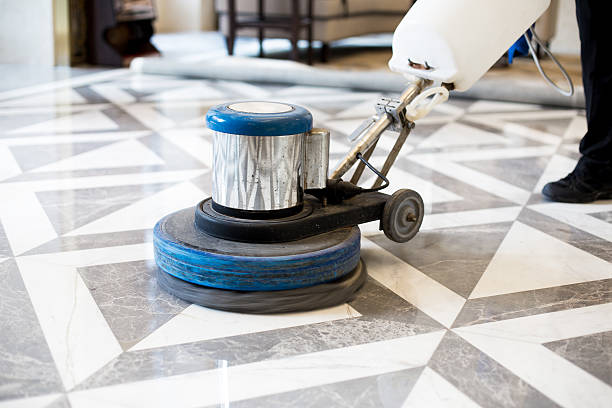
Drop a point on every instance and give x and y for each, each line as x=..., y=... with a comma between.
x=529, y=259
x=121, y=154
x=130, y=300
x=31, y=157
x=455, y=257
x=524, y=173
x=592, y=353
x=472, y=277
x=68, y=210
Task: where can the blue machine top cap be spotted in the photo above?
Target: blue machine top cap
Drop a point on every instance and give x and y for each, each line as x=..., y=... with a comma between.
x=259, y=118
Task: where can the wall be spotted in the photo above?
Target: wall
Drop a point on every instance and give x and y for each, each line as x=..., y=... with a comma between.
x=184, y=15
x=26, y=32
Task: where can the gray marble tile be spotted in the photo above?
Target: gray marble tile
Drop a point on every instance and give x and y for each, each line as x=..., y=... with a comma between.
x=387, y=390
x=32, y=156
x=377, y=302
x=19, y=120
x=513, y=305
x=78, y=242
x=27, y=366
x=512, y=139
x=124, y=120
x=567, y=233
x=249, y=348
x=592, y=353
x=455, y=257
x=473, y=198
x=130, y=300
x=70, y=209
x=90, y=95
x=524, y=173
x=604, y=216
x=53, y=175
x=481, y=378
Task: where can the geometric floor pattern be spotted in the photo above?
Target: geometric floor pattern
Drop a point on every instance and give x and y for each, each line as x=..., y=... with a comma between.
x=502, y=299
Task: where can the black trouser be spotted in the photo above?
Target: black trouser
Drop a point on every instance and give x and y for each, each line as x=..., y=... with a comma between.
x=595, y=25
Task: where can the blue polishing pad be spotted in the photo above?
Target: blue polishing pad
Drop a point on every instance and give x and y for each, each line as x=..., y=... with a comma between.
x=187, y=253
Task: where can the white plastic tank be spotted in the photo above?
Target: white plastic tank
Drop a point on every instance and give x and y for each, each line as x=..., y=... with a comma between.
x=455, y=41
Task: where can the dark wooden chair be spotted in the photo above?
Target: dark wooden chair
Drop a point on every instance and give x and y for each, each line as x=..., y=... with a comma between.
x=292, y=24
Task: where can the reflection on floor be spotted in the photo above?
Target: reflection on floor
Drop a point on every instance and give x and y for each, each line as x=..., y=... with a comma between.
x=503, y=299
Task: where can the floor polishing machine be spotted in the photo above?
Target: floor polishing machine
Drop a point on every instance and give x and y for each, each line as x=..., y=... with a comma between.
x=280, y=234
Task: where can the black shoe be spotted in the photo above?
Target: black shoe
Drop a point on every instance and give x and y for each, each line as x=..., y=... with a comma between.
x=577, y=188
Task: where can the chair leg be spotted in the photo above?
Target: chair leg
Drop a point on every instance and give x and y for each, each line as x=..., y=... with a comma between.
x=295, y=55
x=309, y=32
x=231, y=17
x=325, y=51
x=261, y=15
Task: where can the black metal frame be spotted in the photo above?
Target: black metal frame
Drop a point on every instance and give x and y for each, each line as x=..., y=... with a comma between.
x=314, y=219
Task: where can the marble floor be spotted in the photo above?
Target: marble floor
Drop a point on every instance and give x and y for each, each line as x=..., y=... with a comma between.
x=502, y=299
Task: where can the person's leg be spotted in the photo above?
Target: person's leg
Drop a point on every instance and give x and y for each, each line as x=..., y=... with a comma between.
x=592, y=177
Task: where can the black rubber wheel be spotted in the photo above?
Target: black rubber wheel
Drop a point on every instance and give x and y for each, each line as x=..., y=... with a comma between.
x=320, y=296
x=403, y=215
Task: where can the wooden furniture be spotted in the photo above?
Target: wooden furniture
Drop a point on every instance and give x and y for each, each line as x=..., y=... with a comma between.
x=293, y=24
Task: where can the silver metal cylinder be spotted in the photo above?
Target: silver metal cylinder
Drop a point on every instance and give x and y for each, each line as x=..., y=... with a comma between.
x=316, y=158
x=257, y=173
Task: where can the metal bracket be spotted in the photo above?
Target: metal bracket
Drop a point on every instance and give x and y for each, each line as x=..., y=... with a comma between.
x=396, y=109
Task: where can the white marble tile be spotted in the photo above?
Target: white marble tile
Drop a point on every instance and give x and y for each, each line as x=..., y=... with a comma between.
x=31, y=402
x=81, y=122
x=8, y=165
x=25, y=223
x=515, y=344
x=358, y=111
x=431, y=297
x=199, y=91
x=103, y=181
x=457, y=134
x=126, y=153
x=549, y=327
x=244, y=89
x=64, y=96
x=433, y=391
x=72, y=138
x=430, y=192
x=496, y=106
x=529, y=259
x=227, y=384
x=96, y=256
x=540, y=114
x=473, y=217
x=526, y=132
x=78, y=336
x=192, y=142
x=576, y=216
x=475, y=178
x=485, y=154
x=197, y=323
x=145, y=213
x=558, y=167
x=64, y=83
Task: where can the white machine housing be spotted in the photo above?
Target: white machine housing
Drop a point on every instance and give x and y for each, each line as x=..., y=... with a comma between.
x=456, y=42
